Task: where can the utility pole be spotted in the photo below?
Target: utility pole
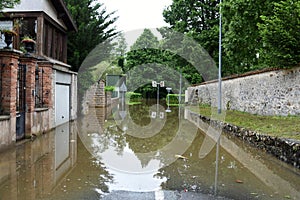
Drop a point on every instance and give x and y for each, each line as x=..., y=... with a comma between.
x=220, y=61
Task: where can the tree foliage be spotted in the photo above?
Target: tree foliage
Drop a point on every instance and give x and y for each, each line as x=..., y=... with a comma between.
x=120, y=48
x=141, y=63
x=94, y=27
x=198, y=19
x=255, y=34
x=151, y=60
x=143, y=50
x=241, y=37
x=8, y=3
x=280, y=32
x=261, y=33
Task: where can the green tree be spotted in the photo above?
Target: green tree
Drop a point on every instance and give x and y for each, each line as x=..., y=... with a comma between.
x=8, y=3
x=241, y=37
x=260, y=34
x=151, y=60
x=94, y=27
x=256, y=33
x=142, y=50
x=188, y=56
x=146, y=40
x=280, y=32
x=140, y=63
x=198, y=19
x=120, y=48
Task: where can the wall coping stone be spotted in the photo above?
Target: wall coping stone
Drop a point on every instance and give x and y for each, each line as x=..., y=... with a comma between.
x=235, y=76
x=11, y=51
x=41, y=109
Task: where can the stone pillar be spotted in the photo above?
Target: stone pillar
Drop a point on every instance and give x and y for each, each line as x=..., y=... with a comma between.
x=31, y=64
x=73, y=98
x=9, y=63
x=99, y=97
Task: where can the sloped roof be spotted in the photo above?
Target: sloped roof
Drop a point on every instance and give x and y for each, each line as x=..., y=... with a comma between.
x=64, y=14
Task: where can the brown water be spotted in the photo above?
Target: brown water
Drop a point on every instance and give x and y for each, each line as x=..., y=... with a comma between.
x=137, y=149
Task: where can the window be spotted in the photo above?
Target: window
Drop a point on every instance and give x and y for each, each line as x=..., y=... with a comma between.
x=28, y=27
x=39, y=88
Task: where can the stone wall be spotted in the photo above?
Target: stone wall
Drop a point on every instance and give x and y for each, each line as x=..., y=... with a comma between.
x=96, y=97
x=287, y=150
x=275, y=92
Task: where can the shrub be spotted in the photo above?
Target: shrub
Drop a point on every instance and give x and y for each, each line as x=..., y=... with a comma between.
x=133, y=97
x=109, y=88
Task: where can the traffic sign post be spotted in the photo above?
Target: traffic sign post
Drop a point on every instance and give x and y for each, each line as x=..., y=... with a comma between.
x=158, y=85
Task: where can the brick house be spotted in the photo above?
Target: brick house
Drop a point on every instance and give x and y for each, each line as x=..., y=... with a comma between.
x=38, y=90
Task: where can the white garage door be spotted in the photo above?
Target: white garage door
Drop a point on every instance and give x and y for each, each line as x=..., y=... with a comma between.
x=62, y=104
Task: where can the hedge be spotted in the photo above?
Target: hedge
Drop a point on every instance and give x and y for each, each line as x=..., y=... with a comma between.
x=174, y=99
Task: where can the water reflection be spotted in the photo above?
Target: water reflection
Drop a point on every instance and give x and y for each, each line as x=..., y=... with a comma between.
x=273, y=175
x=141, y=160
x=33, y=169
x=136, y=144
x=108, y=157
x=54, y=166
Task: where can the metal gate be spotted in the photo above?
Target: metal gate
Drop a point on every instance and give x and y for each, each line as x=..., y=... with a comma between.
x=21, y=101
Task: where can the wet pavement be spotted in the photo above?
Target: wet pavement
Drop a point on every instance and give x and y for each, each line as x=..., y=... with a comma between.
x=142, y=152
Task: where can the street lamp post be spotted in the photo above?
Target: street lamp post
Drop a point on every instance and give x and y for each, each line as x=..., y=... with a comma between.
x=156, y=84
x=220, y=93
x=220, y=61
x=123, y=90
x=168, y=90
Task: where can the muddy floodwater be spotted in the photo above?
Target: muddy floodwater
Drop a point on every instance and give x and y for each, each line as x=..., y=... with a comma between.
x=141, y=148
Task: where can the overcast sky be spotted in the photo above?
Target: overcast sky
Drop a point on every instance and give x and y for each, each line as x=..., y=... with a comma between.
x=137, y=14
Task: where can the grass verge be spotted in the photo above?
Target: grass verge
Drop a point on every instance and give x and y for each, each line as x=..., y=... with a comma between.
x=279, y=126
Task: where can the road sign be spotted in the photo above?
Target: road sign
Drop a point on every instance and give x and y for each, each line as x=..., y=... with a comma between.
x=154, y=84
x=162, y=84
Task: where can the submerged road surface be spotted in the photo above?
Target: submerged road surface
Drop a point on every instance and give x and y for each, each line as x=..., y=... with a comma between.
x=159, y=195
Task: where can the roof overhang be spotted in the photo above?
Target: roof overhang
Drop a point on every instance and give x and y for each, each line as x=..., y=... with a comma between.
x=64, y=14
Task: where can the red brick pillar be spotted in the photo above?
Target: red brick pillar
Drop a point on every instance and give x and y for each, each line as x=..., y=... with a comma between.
x=31, y=64
x=46, y=68
x=9, y=65
x=9, y=62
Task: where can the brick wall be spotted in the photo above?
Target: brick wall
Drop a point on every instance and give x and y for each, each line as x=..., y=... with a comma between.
x=47, y=82
x=38, y=119
x=9, y=61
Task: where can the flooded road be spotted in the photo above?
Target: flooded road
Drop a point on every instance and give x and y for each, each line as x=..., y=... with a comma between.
x=142, y=152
